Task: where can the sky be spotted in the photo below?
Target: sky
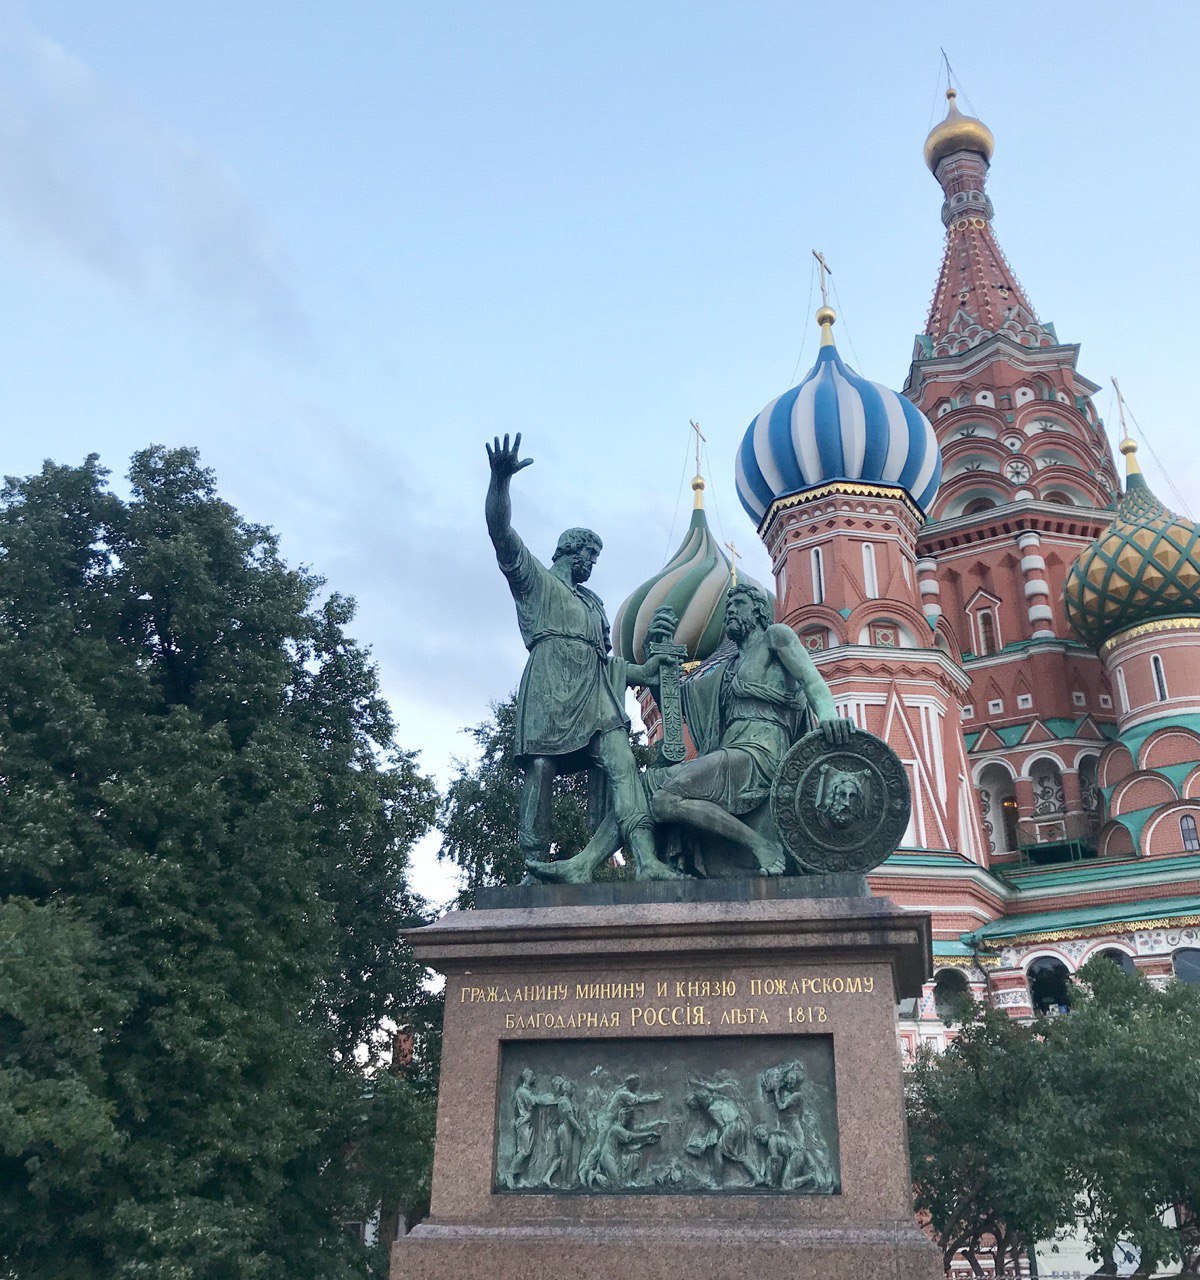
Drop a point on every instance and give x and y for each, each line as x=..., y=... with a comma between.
x=337, y=247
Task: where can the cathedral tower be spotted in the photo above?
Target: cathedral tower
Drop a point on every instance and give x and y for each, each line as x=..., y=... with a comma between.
x=837, y=474
x=1028, y=482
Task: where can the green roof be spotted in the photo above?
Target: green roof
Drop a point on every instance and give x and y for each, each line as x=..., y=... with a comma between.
x=1083, y=918
x=1026, y=878
x=951, y=949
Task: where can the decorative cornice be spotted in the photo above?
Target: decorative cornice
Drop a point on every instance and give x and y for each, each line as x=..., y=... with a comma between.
x=1026, y=516
x=1000, y=346
x=1094, y=931
x=1146, y=629
x=836, y=488
x=892, y=660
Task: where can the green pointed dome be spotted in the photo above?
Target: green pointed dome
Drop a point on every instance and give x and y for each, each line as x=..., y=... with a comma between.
x=694, y=583
x=1145, y=566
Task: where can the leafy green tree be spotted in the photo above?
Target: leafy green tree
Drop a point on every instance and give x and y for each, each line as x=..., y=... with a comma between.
x=1124, y=1076
x=982, y=1169
x=480, y=809
x=204, y=829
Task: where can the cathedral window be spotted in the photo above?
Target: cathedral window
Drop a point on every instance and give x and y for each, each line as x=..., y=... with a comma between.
x=1024, y=701
x=985, y=627
x=1186, y=963
x=870, y=577
x=1160, y=678
x=977, y=505
x=1122, y=959
x=818, y=576
x=1191, y=837
x=1049, y=986
x=1122, y=691
x=951, y=994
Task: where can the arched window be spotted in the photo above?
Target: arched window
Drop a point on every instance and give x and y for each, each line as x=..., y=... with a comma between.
x=1121, y=959
x=1187, y=964
x=870, y=578
x=986, y=623
x=818, y=576
x=1187, y=829
x=1122, y=690
x=1009, y=813
x=1160, y=677
x=1049, y=986
x=951, y=994
x=1089, y=792
x=976, y=505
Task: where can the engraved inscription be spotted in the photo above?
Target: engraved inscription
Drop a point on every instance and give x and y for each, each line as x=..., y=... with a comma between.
x=712, y=1115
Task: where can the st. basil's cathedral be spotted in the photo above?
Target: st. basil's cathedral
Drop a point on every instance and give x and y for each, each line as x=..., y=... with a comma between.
x=979, y=592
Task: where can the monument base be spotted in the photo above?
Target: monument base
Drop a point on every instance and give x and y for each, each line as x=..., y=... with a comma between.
x=677, y=1089
x=691, y=1251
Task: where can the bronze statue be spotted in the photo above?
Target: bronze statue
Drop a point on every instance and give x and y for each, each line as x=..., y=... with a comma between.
x=571, y=702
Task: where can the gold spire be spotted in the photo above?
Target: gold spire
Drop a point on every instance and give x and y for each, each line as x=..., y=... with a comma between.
x=825, y=318
x=1128, y=445
x=957, y=133
x=698, y=479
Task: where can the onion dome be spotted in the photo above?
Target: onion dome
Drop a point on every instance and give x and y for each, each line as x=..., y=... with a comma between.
x=694, y=583
x=957, y=133
x=836, y=426
x=1144, y=567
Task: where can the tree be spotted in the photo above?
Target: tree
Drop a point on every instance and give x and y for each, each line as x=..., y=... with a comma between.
x=204, y=828
x=977, y=1124
x=480, y=809
x=1124, y=1076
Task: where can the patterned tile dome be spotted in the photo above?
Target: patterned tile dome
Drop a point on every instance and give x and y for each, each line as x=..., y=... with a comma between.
x=694, y=583
x=1144, y=566
x=836, y=426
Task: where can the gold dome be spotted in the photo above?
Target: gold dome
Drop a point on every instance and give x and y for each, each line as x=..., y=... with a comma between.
x=957, y=133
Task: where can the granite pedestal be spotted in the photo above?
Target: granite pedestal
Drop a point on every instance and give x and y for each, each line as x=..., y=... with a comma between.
x=667, y=986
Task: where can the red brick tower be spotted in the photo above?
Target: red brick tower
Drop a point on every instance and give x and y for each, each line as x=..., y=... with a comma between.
x=837, y=473
x=1028, y=475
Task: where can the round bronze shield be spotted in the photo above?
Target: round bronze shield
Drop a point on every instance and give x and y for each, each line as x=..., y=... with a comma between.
x=842, y=808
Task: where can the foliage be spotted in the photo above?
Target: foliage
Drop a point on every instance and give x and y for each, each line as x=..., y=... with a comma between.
x=977, y=1117
x=1124, y=1076
x=481, y=807
x=204, y=826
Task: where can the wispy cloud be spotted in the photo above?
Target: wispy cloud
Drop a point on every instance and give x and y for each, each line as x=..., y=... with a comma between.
x=90, y=183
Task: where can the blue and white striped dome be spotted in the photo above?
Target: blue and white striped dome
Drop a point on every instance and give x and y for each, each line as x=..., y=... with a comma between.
x=836, y=426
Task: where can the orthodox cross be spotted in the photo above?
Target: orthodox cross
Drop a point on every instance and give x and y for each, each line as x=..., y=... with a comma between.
x=826, y=270
x=734, y=553
x=1121, y=409
x=700, y=436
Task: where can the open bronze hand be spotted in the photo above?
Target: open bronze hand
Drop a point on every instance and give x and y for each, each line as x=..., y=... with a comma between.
x=502, y=458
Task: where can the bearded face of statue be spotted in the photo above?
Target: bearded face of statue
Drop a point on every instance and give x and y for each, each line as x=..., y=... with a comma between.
x=844, y=800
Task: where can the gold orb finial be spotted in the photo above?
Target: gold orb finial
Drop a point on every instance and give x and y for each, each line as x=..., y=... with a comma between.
x=1128, y=447
x=698, y=490
x=957, y=133
x=826, y=315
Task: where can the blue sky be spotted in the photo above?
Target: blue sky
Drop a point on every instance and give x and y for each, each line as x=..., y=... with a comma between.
x=338, y=246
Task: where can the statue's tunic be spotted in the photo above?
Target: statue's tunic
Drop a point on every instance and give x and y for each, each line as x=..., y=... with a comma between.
x=742, y=730
x=571, y=689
